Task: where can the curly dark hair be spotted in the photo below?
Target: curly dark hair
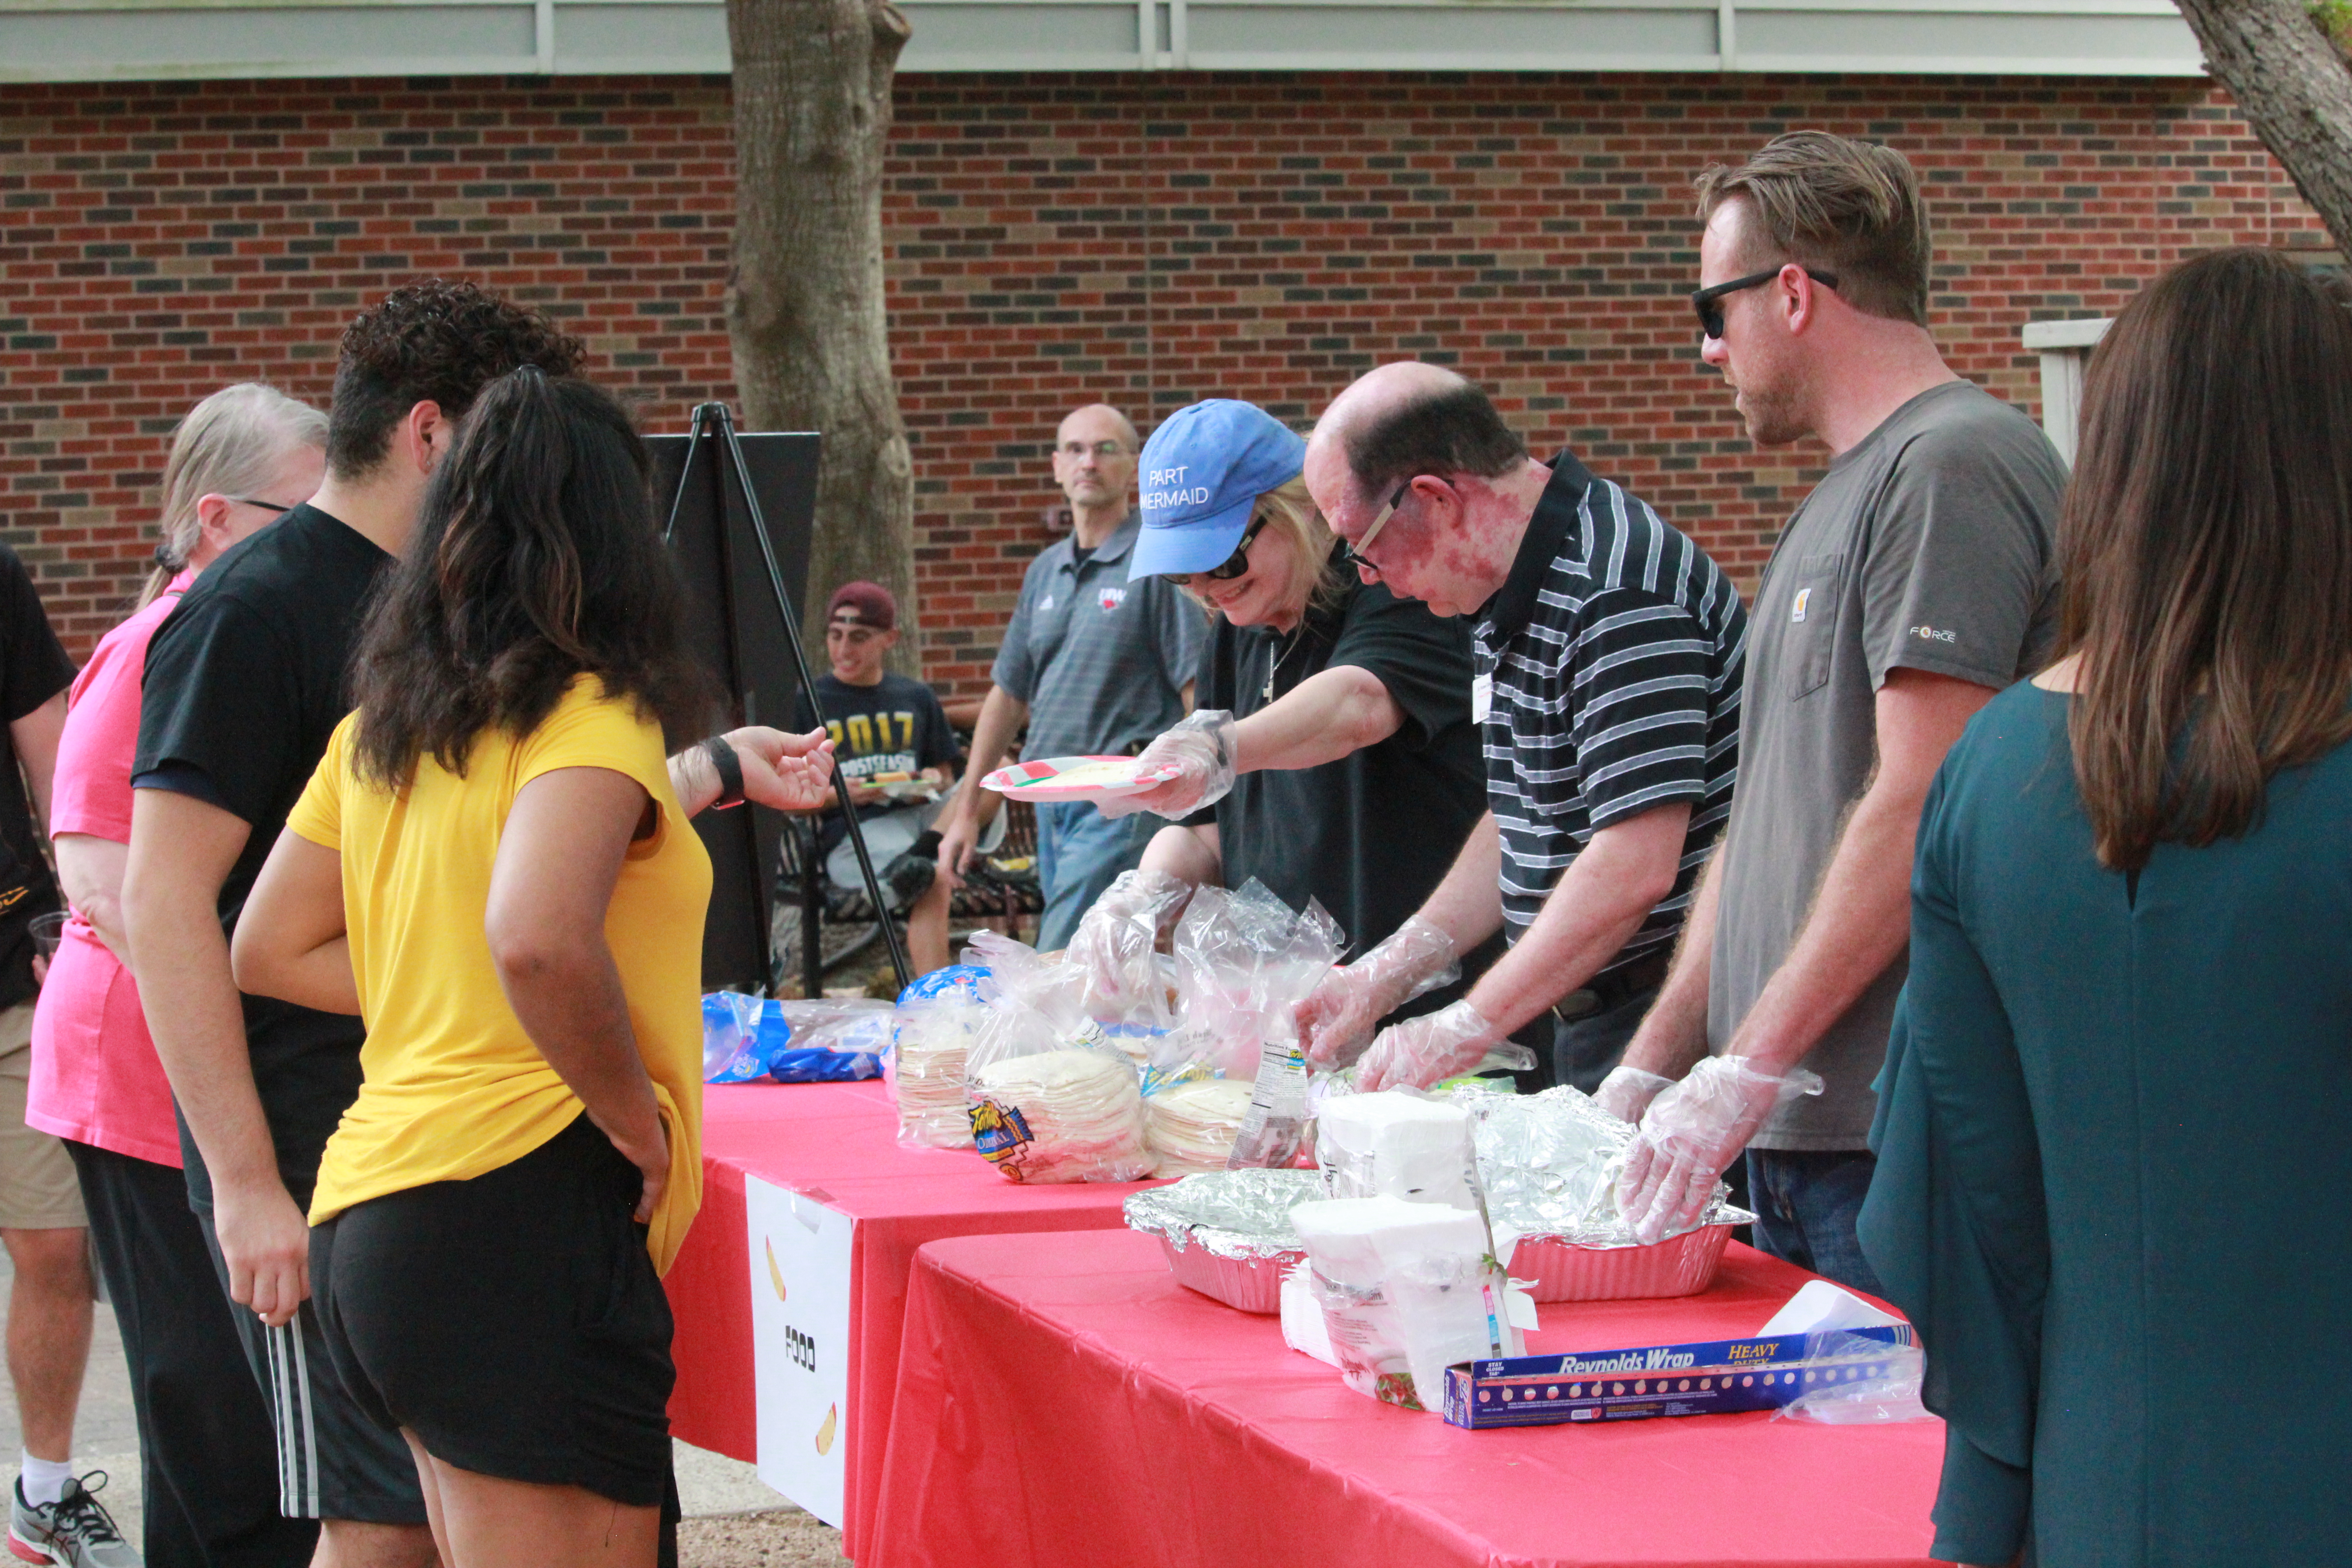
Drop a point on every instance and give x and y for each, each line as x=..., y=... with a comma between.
x=437, y=341
x=536, y=560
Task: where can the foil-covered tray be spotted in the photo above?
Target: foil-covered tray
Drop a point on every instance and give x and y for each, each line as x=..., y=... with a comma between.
x=1560, y=1270
x=1227, y=1233
x=1548, y=1163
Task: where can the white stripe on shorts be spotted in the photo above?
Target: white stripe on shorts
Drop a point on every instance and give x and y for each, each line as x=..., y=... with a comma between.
x=298, y=1437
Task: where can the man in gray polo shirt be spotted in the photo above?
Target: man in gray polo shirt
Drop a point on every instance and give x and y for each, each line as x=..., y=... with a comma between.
x=1914, y=582
x=1096, y=663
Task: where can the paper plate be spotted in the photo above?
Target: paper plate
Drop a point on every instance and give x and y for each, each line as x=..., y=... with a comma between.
x=1074, y=778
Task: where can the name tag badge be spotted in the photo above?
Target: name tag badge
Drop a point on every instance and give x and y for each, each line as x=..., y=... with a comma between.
x=1797, y=610
x=1482, y=698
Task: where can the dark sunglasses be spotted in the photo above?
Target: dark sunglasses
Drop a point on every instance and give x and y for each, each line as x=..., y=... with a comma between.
x=1708, y=301
x=1235, y=564
x=267, y=506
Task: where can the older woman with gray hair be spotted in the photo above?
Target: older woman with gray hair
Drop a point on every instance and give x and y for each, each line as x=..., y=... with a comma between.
x=241, y=456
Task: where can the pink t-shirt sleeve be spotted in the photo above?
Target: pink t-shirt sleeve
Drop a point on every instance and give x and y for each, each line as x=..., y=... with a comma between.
x=92, y=789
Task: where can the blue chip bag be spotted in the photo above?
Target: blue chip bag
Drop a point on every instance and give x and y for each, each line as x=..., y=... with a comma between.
x=955, y=977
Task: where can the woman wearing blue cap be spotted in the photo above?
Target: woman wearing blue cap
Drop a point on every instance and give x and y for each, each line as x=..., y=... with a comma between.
x=1332, y=756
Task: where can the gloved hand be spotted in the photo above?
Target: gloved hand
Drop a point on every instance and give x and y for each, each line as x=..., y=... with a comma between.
x=1335, y=1023
x=1202, y=751
x=1689, y=1134
x=1115, y=942
x=1441, y=1045
x=1626, y=1092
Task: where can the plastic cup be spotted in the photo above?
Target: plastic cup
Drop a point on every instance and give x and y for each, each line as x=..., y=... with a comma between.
x=49, y=930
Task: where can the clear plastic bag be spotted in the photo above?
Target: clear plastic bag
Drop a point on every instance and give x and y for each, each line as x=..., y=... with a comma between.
x=1395, y=1143
x=933, y=1029
x=1865, y=1381
x=1407, y=1289
x=1244, y=961
x=1051, y=1097
x=747, y=1038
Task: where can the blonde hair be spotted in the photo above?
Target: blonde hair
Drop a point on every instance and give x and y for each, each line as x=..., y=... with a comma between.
x=230, y=444
x=1289, y=509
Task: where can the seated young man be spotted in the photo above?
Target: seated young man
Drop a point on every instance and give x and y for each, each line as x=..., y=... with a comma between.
x=887, y=731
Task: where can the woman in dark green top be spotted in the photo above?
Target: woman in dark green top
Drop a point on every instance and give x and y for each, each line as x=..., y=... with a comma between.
x=2114, y=1127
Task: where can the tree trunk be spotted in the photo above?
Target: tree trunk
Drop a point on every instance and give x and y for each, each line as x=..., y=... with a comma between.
x=2291, y=80
x=805, y=306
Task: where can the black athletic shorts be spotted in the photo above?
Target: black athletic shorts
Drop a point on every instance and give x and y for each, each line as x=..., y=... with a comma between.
x=513, y=1322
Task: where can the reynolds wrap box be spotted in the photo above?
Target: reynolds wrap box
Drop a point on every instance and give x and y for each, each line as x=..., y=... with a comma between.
x=1712, y=1378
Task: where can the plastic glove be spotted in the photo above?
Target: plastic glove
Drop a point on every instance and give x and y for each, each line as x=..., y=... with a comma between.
x=1335, y=1024
x=1202, y=751
x=1115, y=944
x=1689, y=1134
x=1626, y=1092
x=1441, y=1045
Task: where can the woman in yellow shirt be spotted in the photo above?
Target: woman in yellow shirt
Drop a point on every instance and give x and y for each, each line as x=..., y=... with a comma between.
x=492, y=867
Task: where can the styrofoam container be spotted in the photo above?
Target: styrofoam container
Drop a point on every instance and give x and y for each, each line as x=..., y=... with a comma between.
x=1683, y=1265
x=1250, y=1284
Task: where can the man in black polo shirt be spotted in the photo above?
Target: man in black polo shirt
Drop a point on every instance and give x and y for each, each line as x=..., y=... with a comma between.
x=1608, y=649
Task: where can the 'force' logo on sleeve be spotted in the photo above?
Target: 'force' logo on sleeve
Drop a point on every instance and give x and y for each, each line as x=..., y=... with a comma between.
x=1931, y=634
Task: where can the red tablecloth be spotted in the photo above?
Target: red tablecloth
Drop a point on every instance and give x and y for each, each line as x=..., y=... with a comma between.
x=1063, y=1402
x=838, y=1144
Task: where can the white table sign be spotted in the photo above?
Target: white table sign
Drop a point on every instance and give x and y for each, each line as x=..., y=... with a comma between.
x=800, y=1344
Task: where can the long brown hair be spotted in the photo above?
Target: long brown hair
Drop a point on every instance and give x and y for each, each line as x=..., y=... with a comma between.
x=2206, y=546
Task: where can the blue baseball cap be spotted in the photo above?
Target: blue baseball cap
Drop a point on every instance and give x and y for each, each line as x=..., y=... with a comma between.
x=1201, y=473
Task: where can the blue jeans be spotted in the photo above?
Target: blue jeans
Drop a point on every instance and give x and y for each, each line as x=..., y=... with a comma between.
x=1806, y=1204
x=1080, y=852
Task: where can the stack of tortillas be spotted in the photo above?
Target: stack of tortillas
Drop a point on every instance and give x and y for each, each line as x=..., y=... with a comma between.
x=1060, y=1116
x=1192, y=1125
x=928, y=1073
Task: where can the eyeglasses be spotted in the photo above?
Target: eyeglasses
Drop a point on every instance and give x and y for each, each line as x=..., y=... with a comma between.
x=1104, y=450
x=1353, y=554
x=1708, y=301
x=273, y=508
x=1234, y=564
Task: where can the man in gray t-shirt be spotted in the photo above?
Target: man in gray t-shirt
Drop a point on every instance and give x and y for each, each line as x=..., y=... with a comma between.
x=1914, y=582
x=1095, y=665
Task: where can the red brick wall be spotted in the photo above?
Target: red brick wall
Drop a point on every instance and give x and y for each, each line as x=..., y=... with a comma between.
x=1144, y=240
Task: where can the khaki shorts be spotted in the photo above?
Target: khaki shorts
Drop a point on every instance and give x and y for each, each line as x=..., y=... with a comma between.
x=37, y=1190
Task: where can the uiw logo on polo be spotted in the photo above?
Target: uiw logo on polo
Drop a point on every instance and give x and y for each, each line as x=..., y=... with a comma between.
x=1112, y=598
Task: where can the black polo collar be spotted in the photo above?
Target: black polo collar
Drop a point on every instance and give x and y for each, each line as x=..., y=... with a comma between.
x=1554, y=521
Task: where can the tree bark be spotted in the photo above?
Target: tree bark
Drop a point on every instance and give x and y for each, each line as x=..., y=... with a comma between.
x=804, y=296
x=2291, y=80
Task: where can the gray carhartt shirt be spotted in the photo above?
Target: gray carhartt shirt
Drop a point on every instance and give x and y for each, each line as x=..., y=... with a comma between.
x=1100, y=661
x=1928, y=546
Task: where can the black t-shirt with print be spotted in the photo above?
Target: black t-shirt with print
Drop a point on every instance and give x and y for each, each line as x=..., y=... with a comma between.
x=33, y=668
x=895, y=726
x=245, y=683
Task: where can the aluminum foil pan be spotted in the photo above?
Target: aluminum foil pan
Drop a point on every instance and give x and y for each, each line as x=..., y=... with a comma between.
x=1250, y=1284
x=1560, y=1270
x=1240, y=1215
x=1227, y=1233
x=1549, y=1163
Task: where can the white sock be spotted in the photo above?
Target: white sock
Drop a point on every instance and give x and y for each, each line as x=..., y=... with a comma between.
x=44, y=1481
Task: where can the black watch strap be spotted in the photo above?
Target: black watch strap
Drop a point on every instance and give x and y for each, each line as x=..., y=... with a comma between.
x=729, y=768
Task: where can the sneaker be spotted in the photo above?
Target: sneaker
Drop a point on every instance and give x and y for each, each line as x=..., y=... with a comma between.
x=75, y=1531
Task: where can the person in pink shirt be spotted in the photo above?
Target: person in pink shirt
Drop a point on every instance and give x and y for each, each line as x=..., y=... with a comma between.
x=242, y=457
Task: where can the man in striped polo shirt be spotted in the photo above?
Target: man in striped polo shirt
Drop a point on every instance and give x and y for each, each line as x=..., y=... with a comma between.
x=1610, y=653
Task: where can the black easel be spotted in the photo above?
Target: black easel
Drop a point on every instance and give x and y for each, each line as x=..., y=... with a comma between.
x=714, y=417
